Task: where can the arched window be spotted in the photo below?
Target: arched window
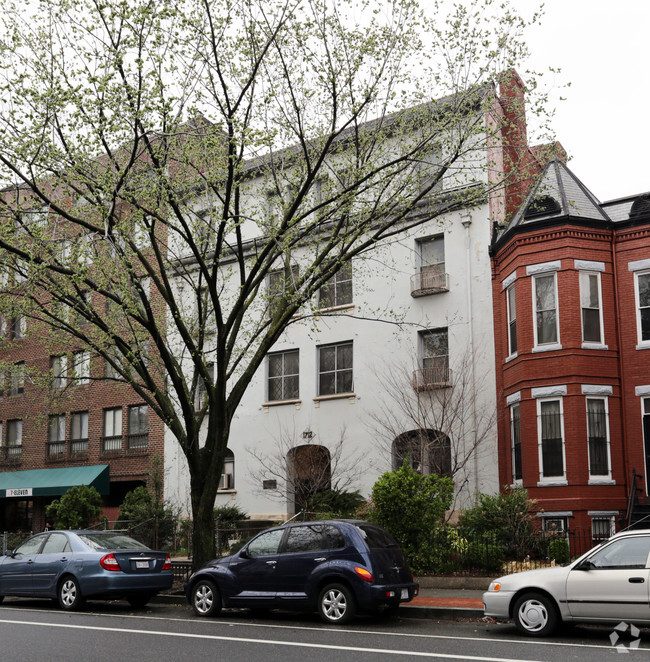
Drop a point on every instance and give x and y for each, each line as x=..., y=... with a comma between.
x=426, y=451
x=310, y=471
x=227, y=481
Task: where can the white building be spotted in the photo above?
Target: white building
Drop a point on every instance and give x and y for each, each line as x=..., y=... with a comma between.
x=410, y=325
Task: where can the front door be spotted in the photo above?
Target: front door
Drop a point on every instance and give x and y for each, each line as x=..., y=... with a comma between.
x=50, y=563
x=613, y=585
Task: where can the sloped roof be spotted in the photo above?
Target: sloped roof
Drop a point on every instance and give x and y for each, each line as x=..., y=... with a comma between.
x=557, y=194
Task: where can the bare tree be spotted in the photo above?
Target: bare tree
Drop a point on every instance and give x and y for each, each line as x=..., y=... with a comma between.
x=294, y=471
x=182, y=177
x=434, y=419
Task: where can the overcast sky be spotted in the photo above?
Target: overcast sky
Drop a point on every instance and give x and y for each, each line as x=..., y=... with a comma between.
x=603, y=49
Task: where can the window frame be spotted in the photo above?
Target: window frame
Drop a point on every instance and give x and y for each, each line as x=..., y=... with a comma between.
x=137, y=439
x=551, y=343
x=607, y=476
x=584, y=276
x=59, y=379
x=540, y=440
x=282, y=377
x=517, y=462
x=109, y=441
x=444, y=370
x=338, y=281
x=17, y=378
x=336, y=371
x=56, y=442
x=79, y=444
x=642, y=342
x=80, y=358
x=511, y=307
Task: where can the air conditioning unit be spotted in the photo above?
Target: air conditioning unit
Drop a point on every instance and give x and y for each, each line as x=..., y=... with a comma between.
x=226, y=482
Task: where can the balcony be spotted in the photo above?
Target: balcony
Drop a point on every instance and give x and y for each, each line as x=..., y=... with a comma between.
x=431, y=378
x=55, y=451
x=111, y=445
x=430, y=280
x=78, y=447
x=138, y=443
x=11, y=454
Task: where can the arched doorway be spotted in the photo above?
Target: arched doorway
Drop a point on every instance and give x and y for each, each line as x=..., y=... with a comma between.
x=309, y=472
x=427, y=452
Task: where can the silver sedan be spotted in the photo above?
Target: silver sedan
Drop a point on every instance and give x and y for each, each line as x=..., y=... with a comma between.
x=610, y=583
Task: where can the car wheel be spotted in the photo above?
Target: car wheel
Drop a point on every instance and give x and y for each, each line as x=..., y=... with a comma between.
x=139, y=601
x=70, y=597
x=535, y=615
x=206, y=600
x=336, y=604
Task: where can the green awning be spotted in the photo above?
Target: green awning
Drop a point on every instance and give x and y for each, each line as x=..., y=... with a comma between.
x=52, y=482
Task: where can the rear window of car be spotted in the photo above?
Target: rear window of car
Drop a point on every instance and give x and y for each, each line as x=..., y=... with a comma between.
x=110, y=541
x=375, y=537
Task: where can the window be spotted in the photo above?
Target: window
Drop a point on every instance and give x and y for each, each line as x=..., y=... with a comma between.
x=59, y=369
x=57, y=543
x=643, y=303
x=56, y=436
x=338, y=290
x=598, y=437
x=430, y=276
x=602, y=528
x=279, y=285
x=227, y=481
x=14, y=439
x=138, y=427
x=283, y=381
x=335, y=369
x=545, y=303
x=201, y=391
x=112, y=366
x=624, y=553
x=512, y=320
x=79, y=432
x=112, y=439
x=266, y=544
x=304, y=539
x=18, y=327
x=17, y=379
x=551, y=439
x=425, y=451
x=555, y=525
x=590, y=303
x=434, y=357
x=80, y=368
x=82, y=309
x=515, y=440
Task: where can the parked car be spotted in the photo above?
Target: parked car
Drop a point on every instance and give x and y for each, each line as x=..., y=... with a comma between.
x=335, y=567
x=607, y=584
x=72, y=566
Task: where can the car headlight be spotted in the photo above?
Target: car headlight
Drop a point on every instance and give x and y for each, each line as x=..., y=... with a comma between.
x=495, y=586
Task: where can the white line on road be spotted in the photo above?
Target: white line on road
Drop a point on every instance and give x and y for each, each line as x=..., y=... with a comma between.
x=272, y=642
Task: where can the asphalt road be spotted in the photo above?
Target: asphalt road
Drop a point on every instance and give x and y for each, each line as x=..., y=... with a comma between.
x=34, y=631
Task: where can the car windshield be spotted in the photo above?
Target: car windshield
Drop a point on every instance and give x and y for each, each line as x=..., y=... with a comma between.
x=375, y=537
x=108, y=541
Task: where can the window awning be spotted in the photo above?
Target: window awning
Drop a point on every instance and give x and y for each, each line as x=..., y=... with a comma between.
x=52, y=482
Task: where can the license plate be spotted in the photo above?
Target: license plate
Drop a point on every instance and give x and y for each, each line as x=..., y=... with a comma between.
x=142, y=564
x=405, y=594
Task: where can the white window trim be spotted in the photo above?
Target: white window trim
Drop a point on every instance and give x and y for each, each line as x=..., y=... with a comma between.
x=515, y=481
x=588, y=265
x=550, y=480
x=600, y=479
x=642, y=344
x=511, y=353
x=590, y=344
x=509, y=280
x=543, y=267
x=545, y=347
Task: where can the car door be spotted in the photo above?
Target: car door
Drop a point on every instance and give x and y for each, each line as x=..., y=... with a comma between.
x=16, y=569
x=253, y=570
x=612, y=583
x=50, y=563
x=304, y=549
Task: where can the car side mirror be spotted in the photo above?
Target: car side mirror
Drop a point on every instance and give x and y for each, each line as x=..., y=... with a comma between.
x=243, y=553
x=585, y=565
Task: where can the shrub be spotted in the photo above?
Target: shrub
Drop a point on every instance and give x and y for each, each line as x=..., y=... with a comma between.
x=333, y=504
x=484, y=555
x=506, y=517
x=227, y=520
x=147, y=519
x=412, y=507
x=78, y=508
x=558, y=550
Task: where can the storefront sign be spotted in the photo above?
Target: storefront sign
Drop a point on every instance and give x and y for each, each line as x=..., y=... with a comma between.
x=22, y=492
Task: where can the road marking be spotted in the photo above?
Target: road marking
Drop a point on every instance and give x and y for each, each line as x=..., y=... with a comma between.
x=273, y=642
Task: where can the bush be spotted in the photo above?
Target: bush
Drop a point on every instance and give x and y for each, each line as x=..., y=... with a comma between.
x=506, y=517
x=227, y=520
x=146, y=519
x=336, y=504
x=78, y=508
x=484, y=555
x=412, y=507
x=558, y=550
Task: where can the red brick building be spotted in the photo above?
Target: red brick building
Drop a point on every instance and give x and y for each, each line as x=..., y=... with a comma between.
x=571, y=291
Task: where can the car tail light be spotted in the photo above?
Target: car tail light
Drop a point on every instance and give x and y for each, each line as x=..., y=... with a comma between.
x=109, y=562
x=167, y=565
x=366, y=575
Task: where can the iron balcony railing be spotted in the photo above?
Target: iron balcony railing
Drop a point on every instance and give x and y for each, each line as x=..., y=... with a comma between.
x=428, y=281
x=426, y=379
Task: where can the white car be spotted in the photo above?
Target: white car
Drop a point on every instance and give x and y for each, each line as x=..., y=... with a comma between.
x=610, y=583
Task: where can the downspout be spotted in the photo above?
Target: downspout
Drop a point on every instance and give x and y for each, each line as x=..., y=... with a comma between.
x=467, y=222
